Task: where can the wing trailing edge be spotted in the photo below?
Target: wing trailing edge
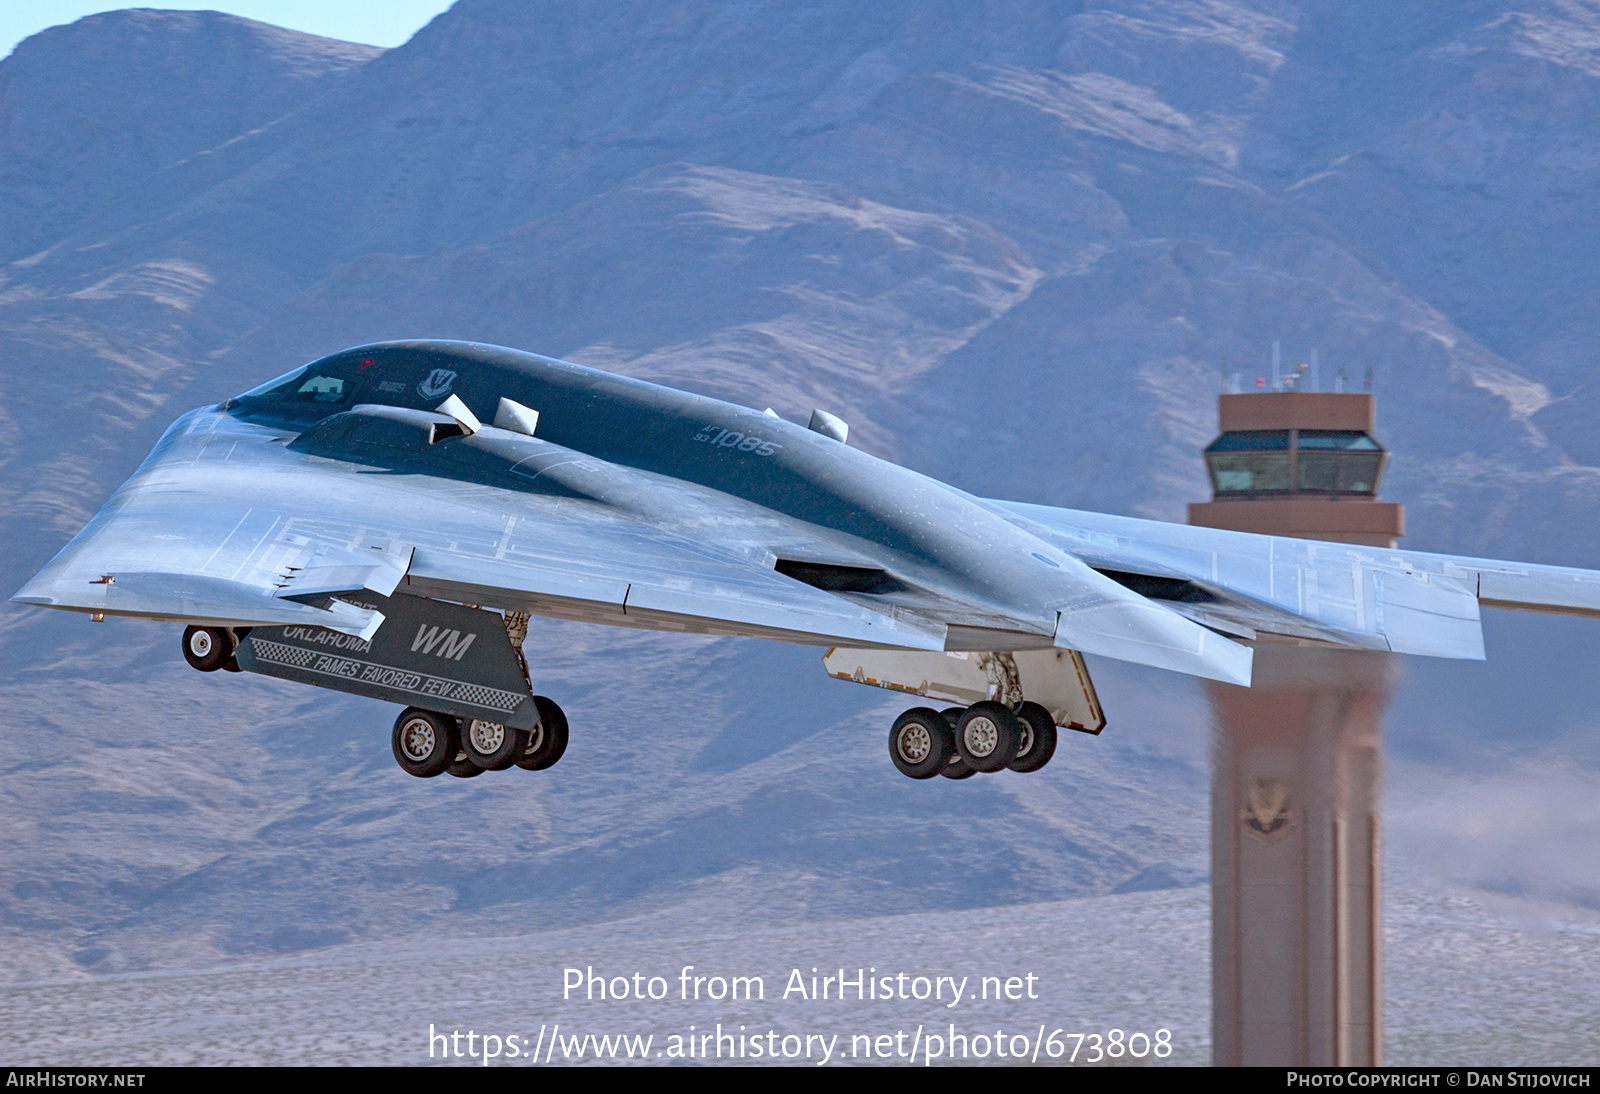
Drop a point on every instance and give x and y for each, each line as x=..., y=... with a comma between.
x=725, y=600
x=1555, y=589
x=333, y=571
x=1129, y=627
x=1392, y=599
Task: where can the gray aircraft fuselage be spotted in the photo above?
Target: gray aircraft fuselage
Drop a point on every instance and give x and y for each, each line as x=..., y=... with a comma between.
x=879, y=515
x=879, y=526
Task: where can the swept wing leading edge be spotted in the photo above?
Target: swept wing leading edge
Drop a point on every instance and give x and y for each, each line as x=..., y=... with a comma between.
x=207, y=533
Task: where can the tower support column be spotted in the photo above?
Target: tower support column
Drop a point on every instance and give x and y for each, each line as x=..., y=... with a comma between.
x=1296, y=860
x=1296, y=834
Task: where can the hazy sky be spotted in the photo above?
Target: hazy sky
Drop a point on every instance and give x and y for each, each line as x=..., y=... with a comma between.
x=375, y=22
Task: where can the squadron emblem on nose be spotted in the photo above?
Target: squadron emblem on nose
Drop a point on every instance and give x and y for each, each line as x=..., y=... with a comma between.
x=439, y=382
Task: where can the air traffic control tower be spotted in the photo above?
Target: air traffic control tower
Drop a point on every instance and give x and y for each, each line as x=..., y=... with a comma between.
x=1296, y=859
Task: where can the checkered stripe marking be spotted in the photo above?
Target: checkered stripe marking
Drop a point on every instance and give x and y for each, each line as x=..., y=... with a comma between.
x=407, y=680
x=282, y=654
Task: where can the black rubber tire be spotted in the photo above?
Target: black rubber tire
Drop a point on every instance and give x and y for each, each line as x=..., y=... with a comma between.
x=463, y=768
x=490, y=745
x=424, y=742
x=987, y=736
x=207, y=648
x=957, y=768
x=1038, y=741
x=920, y=742
x=232, y=663
x=548, y=741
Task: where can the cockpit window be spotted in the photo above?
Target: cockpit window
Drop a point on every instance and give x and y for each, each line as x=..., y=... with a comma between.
x=322, y=389
x=309, y=392
x=278, y=386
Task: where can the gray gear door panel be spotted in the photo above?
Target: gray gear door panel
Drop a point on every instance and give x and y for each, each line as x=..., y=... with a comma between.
x=430, y=654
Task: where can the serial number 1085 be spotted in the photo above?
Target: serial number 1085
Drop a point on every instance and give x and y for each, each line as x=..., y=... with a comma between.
x=728, y=438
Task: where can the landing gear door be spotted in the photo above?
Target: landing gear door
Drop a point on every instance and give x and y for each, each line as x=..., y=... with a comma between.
x=1056, y=679
x=949, y=677
x=441, y=657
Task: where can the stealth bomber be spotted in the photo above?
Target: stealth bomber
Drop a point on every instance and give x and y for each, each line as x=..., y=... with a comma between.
x=385, y=520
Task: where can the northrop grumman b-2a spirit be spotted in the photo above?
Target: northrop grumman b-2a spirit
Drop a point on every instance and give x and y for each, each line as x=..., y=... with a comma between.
x=384, y=520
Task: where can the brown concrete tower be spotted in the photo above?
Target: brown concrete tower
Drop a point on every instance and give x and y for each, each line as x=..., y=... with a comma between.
x=1296, y=862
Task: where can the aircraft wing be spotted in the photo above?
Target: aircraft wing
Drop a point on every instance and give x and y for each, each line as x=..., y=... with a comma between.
x=223, y=526
x=1366, y=597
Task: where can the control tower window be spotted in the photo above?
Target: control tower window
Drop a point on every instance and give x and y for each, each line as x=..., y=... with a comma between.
x=1249, y=461
x=1339, y=462
x=1319, y=461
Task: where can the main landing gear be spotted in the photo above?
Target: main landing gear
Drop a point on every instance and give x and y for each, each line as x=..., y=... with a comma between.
x=959, y=742
x=211, y=648
x=427, y=743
